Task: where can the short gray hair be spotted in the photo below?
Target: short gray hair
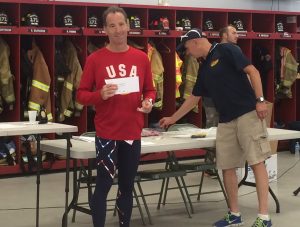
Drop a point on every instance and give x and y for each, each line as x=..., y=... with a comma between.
x=113, y=9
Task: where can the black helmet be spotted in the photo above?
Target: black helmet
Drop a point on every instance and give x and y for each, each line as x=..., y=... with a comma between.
x=279, y=26
x=92, y=21
x=3, y=18
x=239, y=25
x=186, y=24
x=208, y=25
x=67, y=20
x=30, y=19
x=135, y=22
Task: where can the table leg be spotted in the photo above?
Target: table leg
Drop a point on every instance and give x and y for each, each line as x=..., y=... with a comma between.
x=296, y=191
x=75, y=189
x=69, y=145
x=39, y=159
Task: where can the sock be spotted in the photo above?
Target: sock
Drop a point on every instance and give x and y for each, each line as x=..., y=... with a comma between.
x=264, y=217
x=236, y=214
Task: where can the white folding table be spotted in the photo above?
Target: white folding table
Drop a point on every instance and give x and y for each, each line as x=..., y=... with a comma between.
x=166, y=142
x=25, y=128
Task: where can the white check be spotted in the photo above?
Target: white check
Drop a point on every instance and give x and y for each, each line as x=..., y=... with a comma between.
x=125, y=85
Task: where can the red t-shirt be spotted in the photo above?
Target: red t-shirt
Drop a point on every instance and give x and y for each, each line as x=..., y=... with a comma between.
x=116, y=118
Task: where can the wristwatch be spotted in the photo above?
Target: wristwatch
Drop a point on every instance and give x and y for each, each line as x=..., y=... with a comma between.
x=260, y=99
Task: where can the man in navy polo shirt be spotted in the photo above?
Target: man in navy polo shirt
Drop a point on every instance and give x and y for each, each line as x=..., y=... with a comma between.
x=242, y=133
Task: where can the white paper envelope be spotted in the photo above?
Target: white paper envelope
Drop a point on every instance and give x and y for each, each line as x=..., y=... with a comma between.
x=125, y=85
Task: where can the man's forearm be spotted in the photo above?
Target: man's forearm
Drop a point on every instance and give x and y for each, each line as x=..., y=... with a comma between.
x=188, y=104
x=255, y=81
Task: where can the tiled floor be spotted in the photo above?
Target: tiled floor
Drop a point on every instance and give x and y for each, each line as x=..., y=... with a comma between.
x=17, y=202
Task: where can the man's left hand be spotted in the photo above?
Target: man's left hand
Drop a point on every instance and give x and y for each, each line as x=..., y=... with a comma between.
x=261, y=110
x=146, y=106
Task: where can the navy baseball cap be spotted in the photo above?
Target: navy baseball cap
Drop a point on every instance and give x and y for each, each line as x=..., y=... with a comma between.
x=194, y=33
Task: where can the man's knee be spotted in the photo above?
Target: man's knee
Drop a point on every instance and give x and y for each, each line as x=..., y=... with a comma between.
x=229, y=172
x=258, y=166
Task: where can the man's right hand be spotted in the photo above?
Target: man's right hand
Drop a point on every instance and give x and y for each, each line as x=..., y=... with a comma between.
x=166, y=122
x=108, y=90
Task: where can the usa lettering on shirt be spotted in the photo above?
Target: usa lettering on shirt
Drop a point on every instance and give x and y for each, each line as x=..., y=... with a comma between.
x=121, y=71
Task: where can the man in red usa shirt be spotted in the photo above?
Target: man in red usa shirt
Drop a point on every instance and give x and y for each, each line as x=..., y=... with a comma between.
x=119, y=113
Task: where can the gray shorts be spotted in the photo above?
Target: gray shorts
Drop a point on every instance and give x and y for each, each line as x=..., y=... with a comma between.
x=242, y=139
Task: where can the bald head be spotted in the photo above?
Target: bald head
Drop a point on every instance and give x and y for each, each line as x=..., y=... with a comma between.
x=198, y=48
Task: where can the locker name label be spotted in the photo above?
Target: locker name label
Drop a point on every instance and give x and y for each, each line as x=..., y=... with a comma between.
x=263, y=35
x=70, y=31
x=37, y=30
x=214, y=34
x=135, y=32
x=5, y=29
x=286, y=35
x=242, y=34
x=162, y=32
x=100, y=31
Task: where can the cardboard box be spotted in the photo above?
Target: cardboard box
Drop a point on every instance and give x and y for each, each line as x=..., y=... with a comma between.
x=270, y=113
x=271, y=166
x=274, y=143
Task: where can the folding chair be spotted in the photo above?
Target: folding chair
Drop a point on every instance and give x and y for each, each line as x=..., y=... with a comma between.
x=203, y=164
x=163, y=174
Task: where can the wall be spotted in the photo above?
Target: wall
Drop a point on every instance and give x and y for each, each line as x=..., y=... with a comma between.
x=276, y=5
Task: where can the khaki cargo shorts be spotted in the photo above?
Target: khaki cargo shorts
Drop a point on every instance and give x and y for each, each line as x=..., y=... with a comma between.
x=243, y=139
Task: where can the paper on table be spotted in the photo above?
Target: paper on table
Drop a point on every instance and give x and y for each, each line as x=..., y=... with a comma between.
x=125, y=85
x=187, y=133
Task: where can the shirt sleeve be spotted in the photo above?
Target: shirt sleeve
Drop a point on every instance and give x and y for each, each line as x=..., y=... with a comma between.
x=86, y=95
x=148, y=89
